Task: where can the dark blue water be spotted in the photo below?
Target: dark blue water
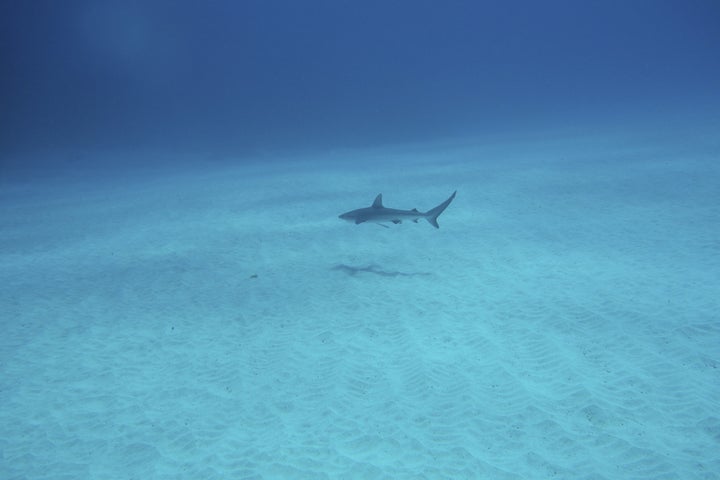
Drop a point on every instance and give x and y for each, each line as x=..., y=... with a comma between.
x=234, y=78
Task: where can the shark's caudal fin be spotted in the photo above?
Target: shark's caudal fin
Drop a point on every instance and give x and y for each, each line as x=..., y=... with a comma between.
x=432, y=215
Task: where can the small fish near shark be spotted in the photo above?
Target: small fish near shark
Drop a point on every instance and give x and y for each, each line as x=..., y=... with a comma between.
x=377, y=213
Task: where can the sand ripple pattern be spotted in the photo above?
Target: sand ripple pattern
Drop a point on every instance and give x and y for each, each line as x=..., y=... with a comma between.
x=574, y=341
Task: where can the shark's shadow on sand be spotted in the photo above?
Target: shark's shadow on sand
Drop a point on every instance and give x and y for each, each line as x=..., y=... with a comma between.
x=377, y=270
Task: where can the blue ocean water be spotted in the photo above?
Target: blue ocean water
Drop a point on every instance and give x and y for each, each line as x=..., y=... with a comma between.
x=232, y=78
x=178, y=298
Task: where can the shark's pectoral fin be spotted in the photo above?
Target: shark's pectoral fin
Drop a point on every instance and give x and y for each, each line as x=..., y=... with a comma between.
x=415, y=220
x=397, y=221
x=382, y=225
x=358, y=221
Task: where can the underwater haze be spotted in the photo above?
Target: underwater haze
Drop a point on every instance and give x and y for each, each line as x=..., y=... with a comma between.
x=236, y=77
x=359, y=239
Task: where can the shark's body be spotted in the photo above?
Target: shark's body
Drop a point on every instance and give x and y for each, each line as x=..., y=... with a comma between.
x=377, y=213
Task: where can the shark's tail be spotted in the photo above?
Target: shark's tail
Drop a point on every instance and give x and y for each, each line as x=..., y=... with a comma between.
x=432, y=215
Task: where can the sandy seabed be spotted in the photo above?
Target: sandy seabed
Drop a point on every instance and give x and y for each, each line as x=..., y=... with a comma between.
x=222, y=322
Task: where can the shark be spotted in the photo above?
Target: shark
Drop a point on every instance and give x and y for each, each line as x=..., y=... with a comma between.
x=377, y=213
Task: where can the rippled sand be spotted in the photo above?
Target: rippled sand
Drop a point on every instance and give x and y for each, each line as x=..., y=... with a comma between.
x=562, y=322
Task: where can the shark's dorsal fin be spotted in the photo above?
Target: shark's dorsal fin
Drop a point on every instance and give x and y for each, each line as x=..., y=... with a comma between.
x=415, y=210
x=378, y=201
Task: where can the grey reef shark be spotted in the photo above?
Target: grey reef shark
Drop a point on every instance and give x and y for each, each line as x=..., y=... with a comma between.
x=377, y=213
